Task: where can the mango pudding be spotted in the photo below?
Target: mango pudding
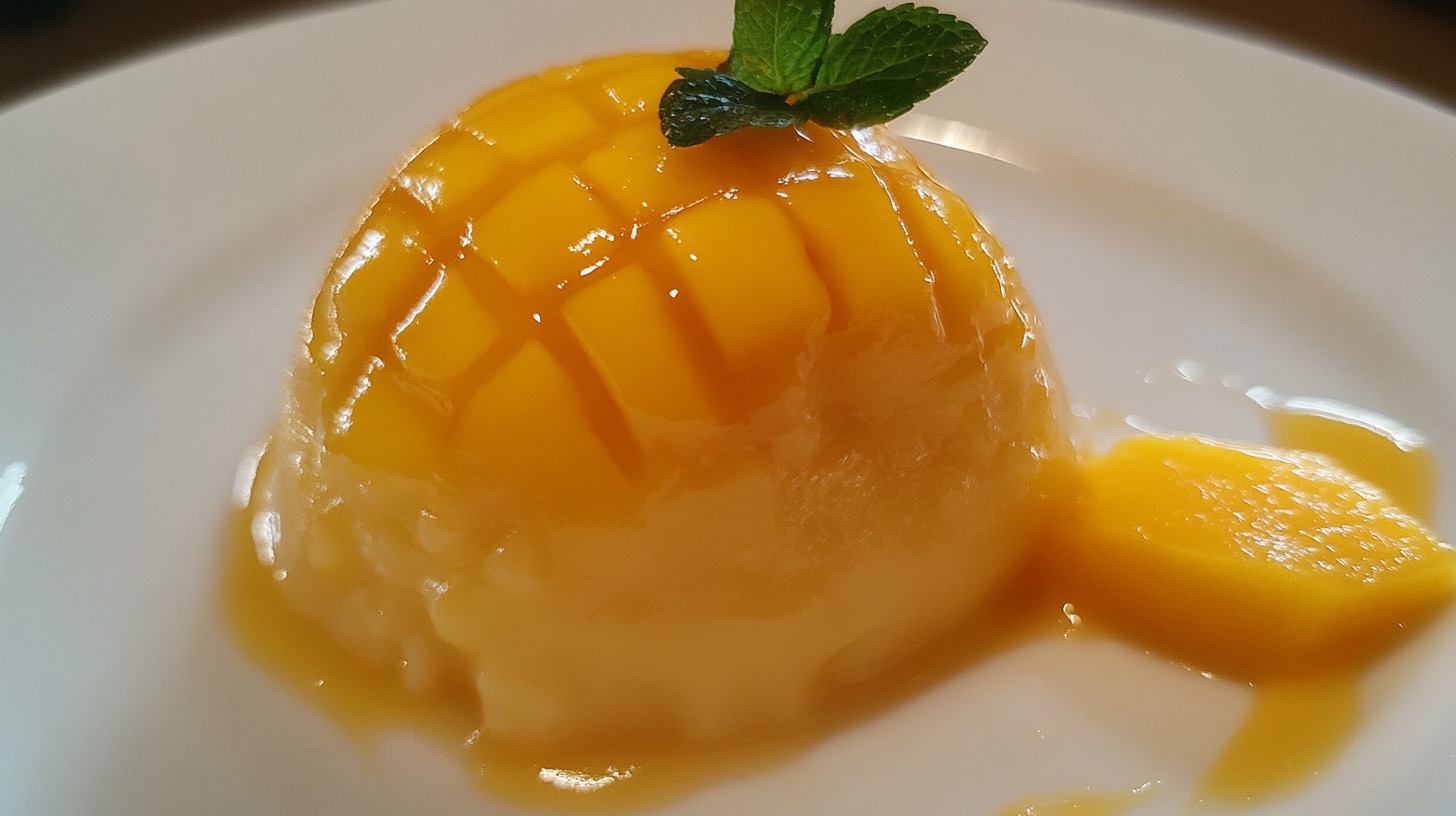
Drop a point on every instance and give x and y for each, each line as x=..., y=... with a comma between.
x=664, y=398
x=630, y=437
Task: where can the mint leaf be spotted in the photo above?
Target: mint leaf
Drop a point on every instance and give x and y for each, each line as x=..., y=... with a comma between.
x=785, y=68
x=704, y=104
x=777, y=44
x=888, y=62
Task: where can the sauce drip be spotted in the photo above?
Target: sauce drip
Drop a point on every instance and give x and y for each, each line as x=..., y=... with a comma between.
x=1294, y=729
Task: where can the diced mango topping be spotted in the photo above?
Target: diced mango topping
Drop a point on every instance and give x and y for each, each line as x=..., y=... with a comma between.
x=368, y=284
x=642, y=175
x=568, y=211
x=950, y=235
x=636, y=90
x=448, y=174
x=878, y=273
x=531, y=126
x=383, y=425
x=585, y=419
x=1247, y=559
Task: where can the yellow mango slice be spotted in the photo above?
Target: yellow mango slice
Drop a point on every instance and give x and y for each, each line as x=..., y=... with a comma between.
x=582, y=419
x=1247, y=559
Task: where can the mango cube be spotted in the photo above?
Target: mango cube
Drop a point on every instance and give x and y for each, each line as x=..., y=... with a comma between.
x=529, y=430
x=546, y=231
x=647, y=369
x=446, y=331
x=880, y=272
x=452, y=170
x=535, y=122
x=747, y=270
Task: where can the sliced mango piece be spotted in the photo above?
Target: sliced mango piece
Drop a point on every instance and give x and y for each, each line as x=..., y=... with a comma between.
x=1374, y=447
x=1252, y=560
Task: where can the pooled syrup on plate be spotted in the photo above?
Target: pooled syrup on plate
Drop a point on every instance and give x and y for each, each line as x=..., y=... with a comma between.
x=1294, y=728
x=1079, y=803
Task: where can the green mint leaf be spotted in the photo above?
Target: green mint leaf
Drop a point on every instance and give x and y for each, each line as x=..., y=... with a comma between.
x=888, y=62
x=704, y=104
x=777, y=44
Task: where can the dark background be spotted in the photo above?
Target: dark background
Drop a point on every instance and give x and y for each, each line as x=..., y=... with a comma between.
x=1411, y=43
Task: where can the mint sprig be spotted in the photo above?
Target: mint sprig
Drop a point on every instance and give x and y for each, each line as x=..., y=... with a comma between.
x=785, y=68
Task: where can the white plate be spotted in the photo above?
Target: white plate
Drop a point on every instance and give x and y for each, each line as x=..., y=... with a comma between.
x=1171, y=195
